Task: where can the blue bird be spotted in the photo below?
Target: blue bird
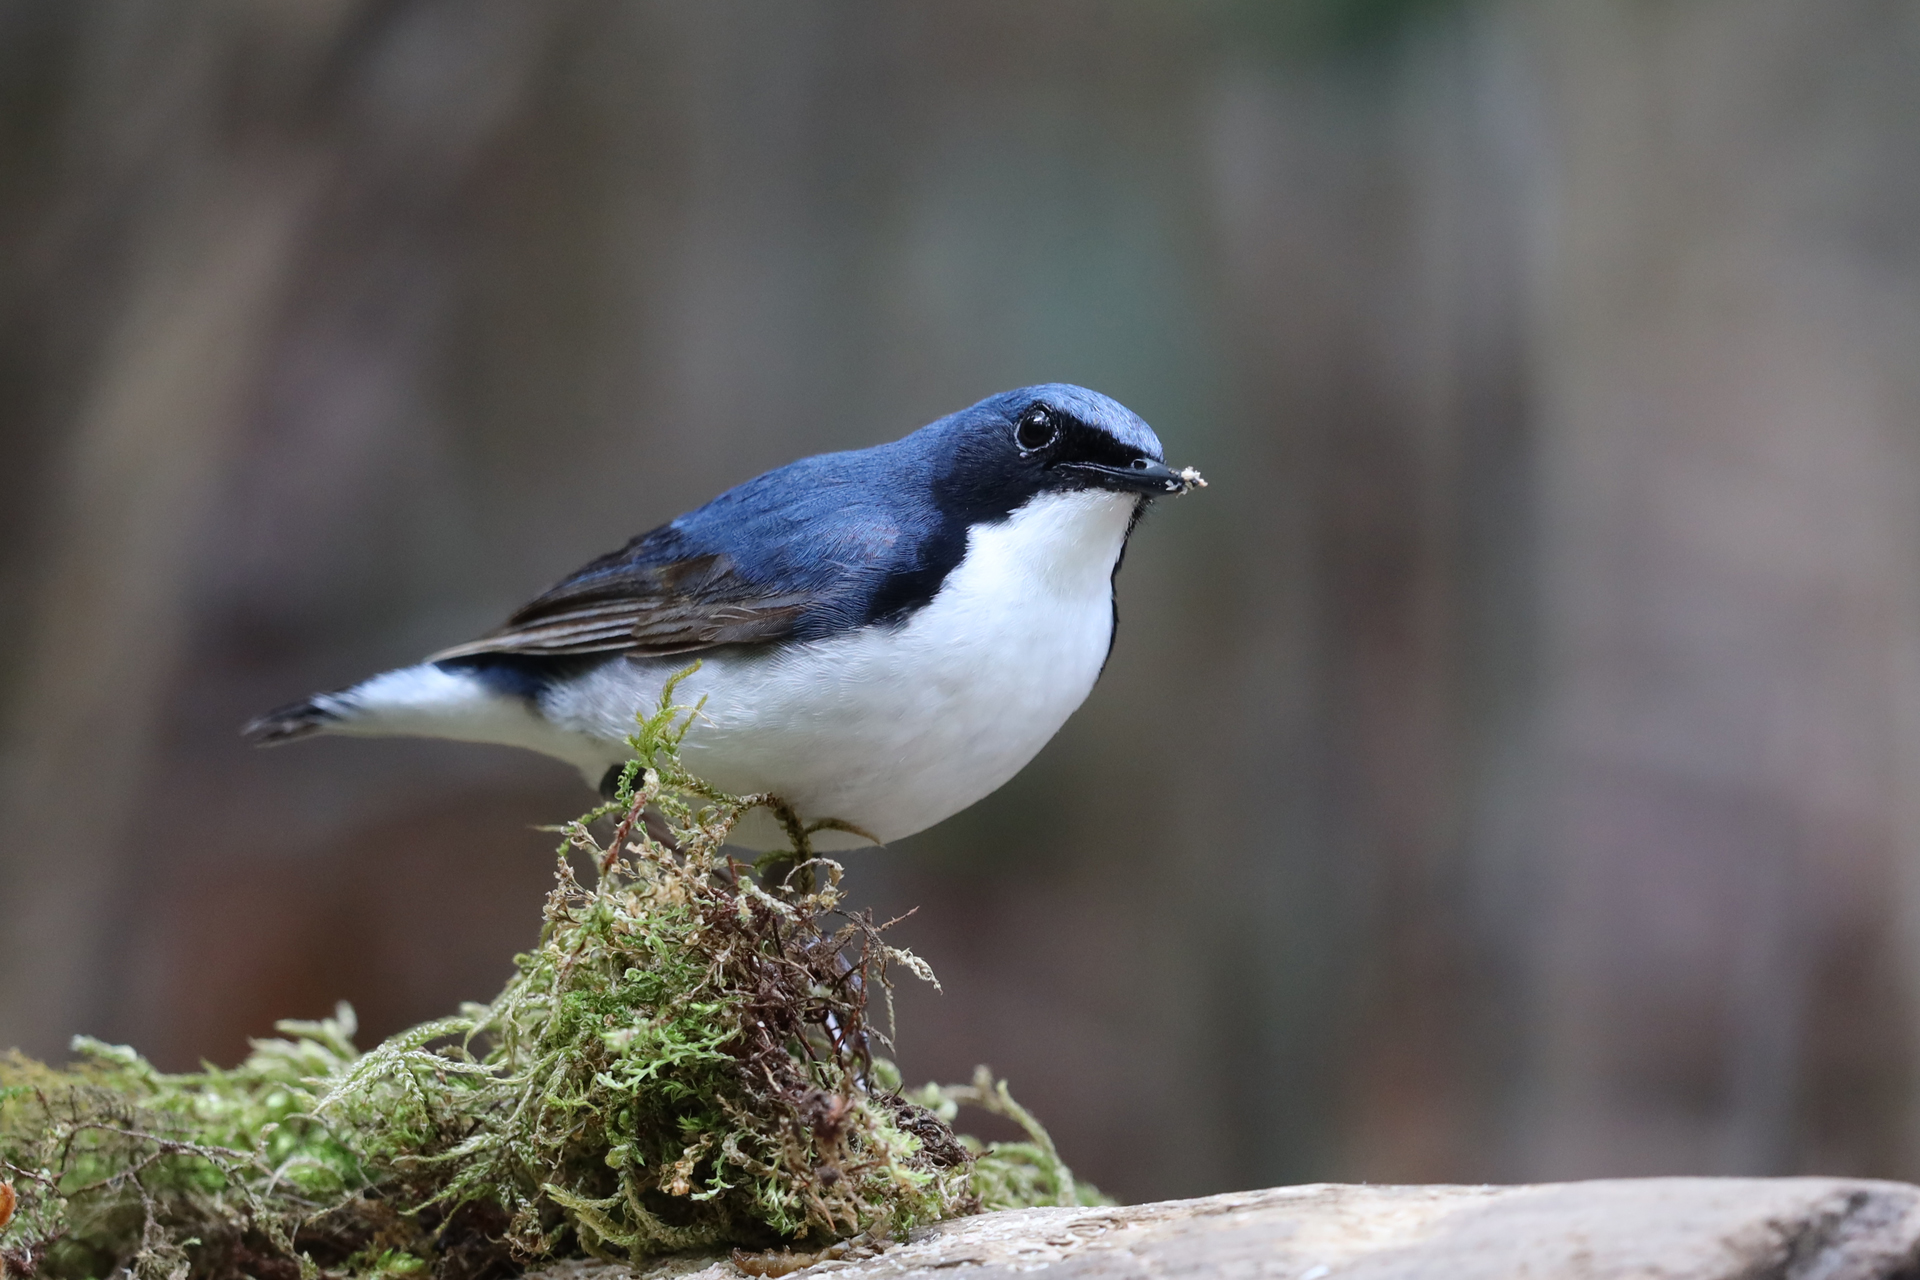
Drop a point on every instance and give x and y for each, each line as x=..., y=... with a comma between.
x=885, y=635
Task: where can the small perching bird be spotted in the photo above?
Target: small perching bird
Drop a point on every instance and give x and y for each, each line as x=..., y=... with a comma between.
x=885, y=636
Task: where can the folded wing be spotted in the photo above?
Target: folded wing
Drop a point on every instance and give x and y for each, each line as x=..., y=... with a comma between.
x=629, y=602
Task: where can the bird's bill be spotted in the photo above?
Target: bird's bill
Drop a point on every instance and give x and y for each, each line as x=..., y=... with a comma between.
x=1142, y=475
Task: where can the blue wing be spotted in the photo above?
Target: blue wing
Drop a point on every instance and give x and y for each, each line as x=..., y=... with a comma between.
x=805, y=551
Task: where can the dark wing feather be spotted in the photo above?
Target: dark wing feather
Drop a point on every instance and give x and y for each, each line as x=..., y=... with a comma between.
x=806, y=551
x=621, y=605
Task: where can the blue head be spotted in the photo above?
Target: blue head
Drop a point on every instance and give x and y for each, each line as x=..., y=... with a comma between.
x=1051, y=438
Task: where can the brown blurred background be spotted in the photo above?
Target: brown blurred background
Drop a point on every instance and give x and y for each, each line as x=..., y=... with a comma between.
x=1507, y=768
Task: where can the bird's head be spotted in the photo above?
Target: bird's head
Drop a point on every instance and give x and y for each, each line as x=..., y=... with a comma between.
x=1058, y=438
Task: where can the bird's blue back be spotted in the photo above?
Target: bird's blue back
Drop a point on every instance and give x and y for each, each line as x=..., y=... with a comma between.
x=869, y=534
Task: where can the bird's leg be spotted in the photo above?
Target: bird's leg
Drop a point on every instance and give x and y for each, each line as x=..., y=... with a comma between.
x=788, y=872
x=636, y=813
x=610, y=780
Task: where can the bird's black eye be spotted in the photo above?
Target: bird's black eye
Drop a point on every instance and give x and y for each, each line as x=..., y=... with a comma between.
x=1036, y=430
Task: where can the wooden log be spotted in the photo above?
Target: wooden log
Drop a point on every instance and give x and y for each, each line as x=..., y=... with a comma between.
x=1671, y=1228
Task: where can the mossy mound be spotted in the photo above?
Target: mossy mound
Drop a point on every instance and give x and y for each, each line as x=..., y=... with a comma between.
x=686, y=1060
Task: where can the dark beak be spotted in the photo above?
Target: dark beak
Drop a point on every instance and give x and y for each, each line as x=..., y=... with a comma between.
x=1142, y=475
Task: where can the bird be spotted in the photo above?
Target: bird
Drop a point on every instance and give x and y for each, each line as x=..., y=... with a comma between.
x=884, y=636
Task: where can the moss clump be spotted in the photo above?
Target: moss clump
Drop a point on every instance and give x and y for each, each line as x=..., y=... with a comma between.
x=685, y=1060
x=1008, y=1175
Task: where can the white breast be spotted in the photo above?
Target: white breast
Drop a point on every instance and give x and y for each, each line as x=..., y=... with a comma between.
x=894, y=729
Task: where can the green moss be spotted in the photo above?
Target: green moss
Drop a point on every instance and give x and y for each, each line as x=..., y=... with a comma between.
x=1009, y=1175
x=685, y=1060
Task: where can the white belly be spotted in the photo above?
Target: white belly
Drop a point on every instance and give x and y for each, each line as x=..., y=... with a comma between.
x=893, y=729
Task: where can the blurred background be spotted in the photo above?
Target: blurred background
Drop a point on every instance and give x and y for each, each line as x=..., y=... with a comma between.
x=1507, y=768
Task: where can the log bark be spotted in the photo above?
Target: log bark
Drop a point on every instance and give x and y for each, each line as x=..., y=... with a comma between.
x=1671, y=1228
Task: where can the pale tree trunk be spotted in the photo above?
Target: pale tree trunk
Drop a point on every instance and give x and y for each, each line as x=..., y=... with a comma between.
x=166, y=403
x=1731, y=574
x=199, y=147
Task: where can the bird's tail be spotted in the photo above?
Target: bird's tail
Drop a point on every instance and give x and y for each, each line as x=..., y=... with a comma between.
x=429, y=700
x=292, y=722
